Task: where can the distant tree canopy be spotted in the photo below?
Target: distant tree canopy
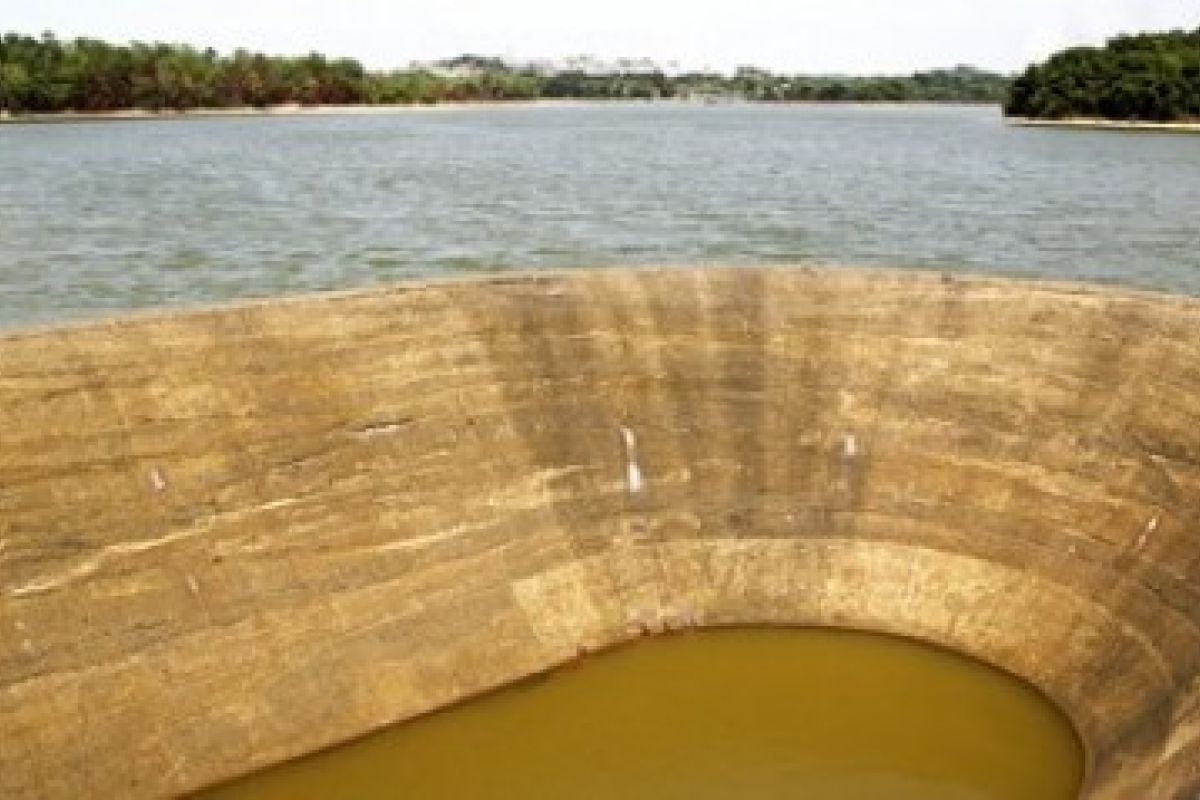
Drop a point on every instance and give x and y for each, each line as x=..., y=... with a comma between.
x=1151, y=77
x=44, y=74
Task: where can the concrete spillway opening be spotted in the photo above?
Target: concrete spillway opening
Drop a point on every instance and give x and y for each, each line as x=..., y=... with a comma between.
x=232, y=537
x=725, y=713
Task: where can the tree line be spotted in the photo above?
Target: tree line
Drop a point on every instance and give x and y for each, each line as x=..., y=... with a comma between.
x=1151, y=77
x=45, y=74
x=959, y=85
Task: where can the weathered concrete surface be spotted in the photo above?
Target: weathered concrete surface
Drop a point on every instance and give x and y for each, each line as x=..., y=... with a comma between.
x=232, y=536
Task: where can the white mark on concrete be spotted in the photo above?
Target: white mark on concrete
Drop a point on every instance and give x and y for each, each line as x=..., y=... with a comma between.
x=19, y=625
x=195, y=587
x=633, y=472
x=634, y=478
x=52, y=582
x=158, y=481
x=274, y=504
x=27, y=647
x=212, y=520
x=375, y=429
x=850, y=445
x=428, y=539
x=1151, y=527
x=91, y=565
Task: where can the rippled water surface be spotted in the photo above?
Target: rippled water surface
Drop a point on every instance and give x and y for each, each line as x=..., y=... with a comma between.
x=760, y=714
x=96, y=218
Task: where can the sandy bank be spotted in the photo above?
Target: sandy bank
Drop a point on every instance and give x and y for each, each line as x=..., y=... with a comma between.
x=294, y=110
x=1106, y=125
x=287, y=110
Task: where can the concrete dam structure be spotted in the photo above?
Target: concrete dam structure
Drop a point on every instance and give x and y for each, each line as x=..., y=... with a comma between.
x=230, y=537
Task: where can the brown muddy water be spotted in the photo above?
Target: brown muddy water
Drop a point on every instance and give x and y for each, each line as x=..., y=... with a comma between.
x=726, y=713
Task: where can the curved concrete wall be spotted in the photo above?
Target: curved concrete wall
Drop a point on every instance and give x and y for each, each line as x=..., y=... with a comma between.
x=229, y=537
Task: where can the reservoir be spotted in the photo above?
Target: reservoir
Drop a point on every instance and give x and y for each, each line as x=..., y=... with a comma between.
x=715, y=715
x=101, y=218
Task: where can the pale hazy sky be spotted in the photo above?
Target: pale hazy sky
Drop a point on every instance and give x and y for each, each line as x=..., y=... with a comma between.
x=860, y=36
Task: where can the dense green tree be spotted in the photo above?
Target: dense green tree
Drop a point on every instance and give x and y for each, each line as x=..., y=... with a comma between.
x=45, y=74
x=1149, y=77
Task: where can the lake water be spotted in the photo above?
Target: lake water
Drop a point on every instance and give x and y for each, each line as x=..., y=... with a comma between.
x=736, y=713
x=98, y=218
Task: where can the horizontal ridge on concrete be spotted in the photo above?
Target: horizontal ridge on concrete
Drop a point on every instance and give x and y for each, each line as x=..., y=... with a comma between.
x=232, y=536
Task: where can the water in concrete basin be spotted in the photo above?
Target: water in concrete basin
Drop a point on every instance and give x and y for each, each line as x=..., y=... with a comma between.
x=727, y=713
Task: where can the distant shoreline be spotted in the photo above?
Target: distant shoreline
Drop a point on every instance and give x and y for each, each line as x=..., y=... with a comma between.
x=287, y=110
x=295, y=110
x=1089, y=123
